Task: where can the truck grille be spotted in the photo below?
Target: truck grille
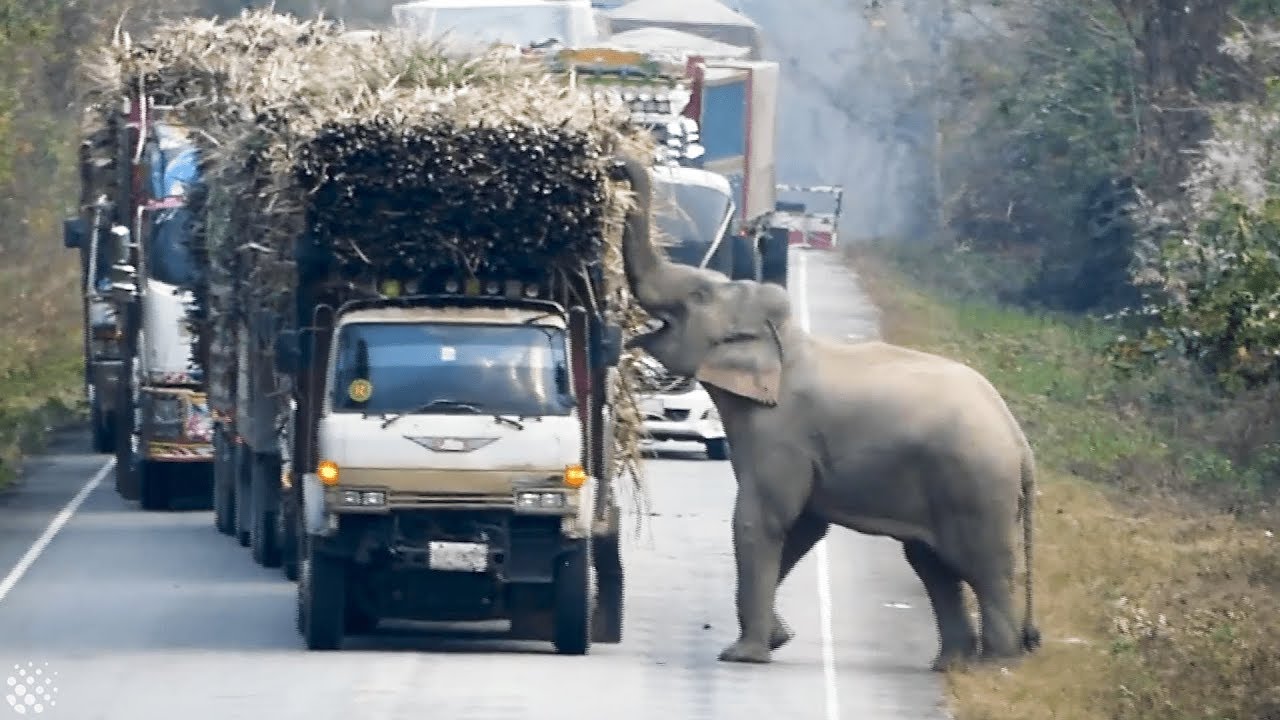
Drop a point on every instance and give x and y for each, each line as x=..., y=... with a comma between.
x=454, y=500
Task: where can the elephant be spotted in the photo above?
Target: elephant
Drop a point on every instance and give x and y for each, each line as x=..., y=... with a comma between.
x=877, y=438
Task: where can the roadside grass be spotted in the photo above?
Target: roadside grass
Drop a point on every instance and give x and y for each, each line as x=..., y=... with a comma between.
x=1154, y=603
x=41, y=362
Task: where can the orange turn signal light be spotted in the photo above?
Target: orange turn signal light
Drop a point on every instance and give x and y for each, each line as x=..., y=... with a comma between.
x=575, y=476
x=328, y=472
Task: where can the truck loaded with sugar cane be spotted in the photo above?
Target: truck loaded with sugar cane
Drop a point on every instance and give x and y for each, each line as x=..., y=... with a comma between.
x=412, y=309
x=145, y=393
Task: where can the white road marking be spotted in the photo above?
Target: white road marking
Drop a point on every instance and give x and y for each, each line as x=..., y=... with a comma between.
x=820, y=549
x=55, y=526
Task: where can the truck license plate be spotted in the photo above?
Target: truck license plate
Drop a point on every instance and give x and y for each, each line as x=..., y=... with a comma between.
x=458, y=556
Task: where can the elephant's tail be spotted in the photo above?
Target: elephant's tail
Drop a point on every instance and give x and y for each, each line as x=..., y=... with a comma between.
x=1030, y=633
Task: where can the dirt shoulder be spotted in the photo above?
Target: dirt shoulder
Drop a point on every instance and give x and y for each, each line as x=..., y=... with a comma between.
x=1152, y=605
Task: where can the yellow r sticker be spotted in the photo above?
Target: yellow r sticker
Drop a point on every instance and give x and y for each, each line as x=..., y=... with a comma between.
x=360, y=390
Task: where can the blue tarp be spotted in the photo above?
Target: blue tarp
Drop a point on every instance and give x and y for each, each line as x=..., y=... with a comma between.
x=174, y=162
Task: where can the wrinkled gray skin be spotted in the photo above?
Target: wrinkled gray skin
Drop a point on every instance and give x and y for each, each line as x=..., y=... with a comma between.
x=877, y=438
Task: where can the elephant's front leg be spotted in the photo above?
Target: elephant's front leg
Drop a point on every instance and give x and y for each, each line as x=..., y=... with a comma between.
x=805, y=532
x=757, y=545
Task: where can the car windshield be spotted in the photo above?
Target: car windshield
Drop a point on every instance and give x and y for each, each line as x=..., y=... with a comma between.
x=520, y=25
x=446, y=368
x=691, y=217
x=169, y=257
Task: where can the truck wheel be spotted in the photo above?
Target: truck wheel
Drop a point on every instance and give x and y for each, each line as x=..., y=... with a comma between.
x=573, y=609
x=126, y=452
x=717, y=449
x=607, y=554
x=104, y=429
x=153, y=481
x=322, y=586
x=243, y=497
x=224, y=492
x=264, y=545
x=290, y=540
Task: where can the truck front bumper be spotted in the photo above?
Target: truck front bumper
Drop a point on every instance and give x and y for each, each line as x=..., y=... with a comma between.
x=323, y=506
x=182, y=431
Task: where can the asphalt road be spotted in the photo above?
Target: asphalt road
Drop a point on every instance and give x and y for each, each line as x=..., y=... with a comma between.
x=154, y=616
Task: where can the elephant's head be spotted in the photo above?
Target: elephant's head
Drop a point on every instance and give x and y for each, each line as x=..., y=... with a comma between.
x=727, y=334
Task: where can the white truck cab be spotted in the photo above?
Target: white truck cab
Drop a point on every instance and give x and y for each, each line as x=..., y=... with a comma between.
x=454, y=407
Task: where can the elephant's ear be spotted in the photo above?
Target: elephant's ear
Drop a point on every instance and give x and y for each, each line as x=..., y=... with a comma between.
x=748, y=362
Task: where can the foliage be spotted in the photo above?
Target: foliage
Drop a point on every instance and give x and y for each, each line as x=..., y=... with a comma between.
x=1211, y=264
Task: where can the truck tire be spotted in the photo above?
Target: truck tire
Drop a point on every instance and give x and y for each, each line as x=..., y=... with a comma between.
x=717, y=449
x=573, y=606
x=607, y=555
x=291, y=539
x=224, y=491
x=127, y=486
x=322, y=612
x=240, y=476
x=153, y=484
x=103, y=422
x=264, y=544
x=773, y=258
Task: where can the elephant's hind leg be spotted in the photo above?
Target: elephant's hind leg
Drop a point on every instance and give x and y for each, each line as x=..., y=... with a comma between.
x=958, y=643
x=803, y=535
x=992, y=583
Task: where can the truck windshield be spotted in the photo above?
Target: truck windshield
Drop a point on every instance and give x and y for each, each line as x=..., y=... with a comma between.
x=690, y=216
x=495, y=369
x=169, y=257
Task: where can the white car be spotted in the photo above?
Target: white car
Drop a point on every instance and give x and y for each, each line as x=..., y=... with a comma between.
x=680, y=409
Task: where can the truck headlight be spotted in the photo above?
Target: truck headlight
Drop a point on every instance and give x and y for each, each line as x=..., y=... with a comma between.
x=364, y=498
x=550, y=500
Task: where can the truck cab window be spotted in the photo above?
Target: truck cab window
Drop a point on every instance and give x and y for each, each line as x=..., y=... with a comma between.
x=691, y=217
x=499, y=369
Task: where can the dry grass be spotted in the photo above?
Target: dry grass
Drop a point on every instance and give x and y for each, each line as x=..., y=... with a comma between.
x=1152, y=605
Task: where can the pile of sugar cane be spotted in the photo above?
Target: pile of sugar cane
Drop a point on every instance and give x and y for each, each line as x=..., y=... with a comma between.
x=391, y=155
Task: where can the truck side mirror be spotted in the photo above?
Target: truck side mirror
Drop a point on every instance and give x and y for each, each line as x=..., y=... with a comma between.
x=73, y=232
x=610, y=346
x=287, y=352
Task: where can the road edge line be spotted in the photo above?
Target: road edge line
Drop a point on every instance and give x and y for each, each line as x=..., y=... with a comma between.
x=824, y=563
x=55, y=526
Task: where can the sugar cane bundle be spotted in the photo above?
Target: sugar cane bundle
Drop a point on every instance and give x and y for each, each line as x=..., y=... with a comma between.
x=390, y=155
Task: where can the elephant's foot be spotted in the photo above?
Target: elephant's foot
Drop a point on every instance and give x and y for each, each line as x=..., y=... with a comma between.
x=744, y=652
x=781, y=634
x=956, y=655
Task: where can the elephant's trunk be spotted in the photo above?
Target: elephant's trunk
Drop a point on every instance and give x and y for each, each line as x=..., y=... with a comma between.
x=643, y=264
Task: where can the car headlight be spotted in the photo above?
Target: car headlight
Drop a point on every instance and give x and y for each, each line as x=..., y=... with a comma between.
x=364, y=498
x=541, y=500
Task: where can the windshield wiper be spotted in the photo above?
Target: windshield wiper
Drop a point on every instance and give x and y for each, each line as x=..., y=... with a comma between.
x=442, y=403
x=513, y=422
